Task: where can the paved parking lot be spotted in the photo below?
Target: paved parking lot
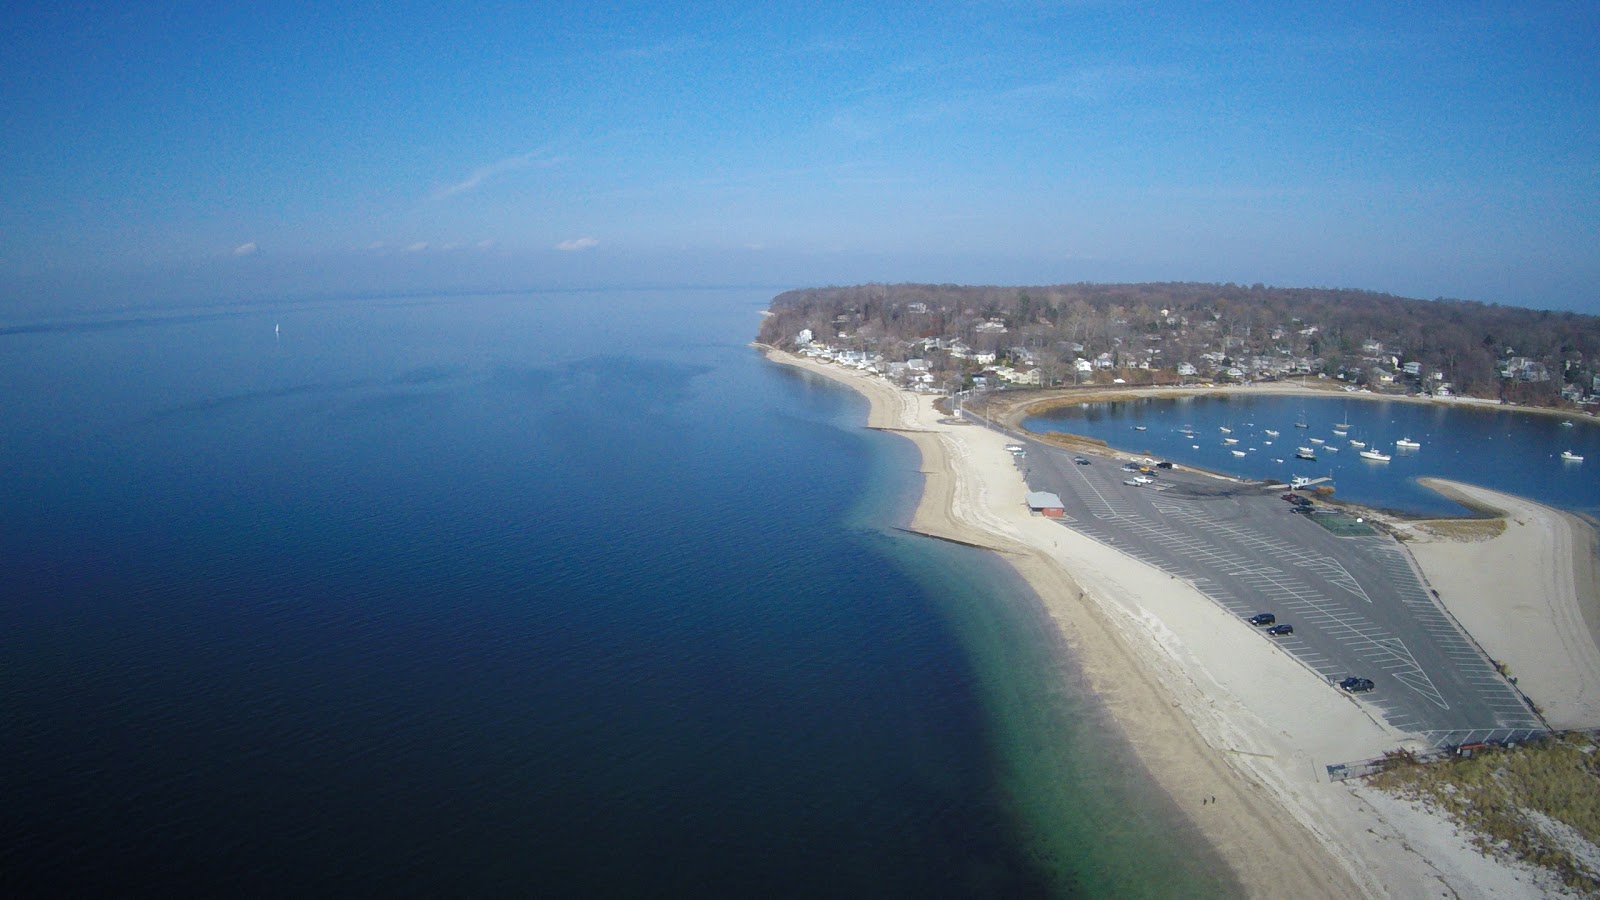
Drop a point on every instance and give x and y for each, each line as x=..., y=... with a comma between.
x=1357, y=605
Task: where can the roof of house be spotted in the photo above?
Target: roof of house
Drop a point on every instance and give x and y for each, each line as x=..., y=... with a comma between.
x=1043, y=500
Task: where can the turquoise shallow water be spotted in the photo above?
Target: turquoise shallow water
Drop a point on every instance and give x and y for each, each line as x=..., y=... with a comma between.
x=570, y=592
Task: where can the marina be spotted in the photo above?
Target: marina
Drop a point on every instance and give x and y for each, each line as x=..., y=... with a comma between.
x=1500, y=447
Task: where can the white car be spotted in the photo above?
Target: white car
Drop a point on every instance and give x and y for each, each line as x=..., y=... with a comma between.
x=1140, y=480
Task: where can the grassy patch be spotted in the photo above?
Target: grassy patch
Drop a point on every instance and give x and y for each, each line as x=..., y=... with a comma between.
x=1500, y=795
x=1073, y=442
x=1464, y=529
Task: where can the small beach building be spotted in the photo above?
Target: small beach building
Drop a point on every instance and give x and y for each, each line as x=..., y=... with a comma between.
x=1046, y=504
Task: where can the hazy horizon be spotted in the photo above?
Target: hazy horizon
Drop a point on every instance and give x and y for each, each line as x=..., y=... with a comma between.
x=286, y=150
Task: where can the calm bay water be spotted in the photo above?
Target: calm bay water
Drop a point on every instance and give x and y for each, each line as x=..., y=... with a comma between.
x=568, y=592
x=1499, y=448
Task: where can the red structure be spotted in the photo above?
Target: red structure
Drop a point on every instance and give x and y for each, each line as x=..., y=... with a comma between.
x=1046, y=504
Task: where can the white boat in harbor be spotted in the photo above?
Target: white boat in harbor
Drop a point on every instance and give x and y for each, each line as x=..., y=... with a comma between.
x=1569, y=456
x=1271, y=432
x=1406, y=443
x=1230, y=440
x=1305, y=453
x=1374, y=454
x=1340, y=432
x=1318, y=441
x=1225, y=429
x=1331, y=448
x=1358, y=444
x=1238, y=453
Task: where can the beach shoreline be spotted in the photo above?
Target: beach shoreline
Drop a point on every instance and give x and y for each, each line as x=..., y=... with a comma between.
x=1206, y=714
x=1015, y=405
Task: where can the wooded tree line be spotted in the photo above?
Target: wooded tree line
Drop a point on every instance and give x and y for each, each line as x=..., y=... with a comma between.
x=1470, y=343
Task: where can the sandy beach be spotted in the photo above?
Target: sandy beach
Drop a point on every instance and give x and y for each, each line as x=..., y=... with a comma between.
x=1542, y=553
x=1211, y=712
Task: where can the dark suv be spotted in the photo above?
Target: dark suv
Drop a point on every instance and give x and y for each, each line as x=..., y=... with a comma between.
x=1260, y=619
x=1281, y=630
x=1356, y=685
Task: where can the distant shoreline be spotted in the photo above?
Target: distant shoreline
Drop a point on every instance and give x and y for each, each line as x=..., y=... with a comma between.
x=1017, y=405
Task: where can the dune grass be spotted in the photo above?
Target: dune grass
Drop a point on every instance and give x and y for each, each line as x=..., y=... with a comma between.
x=1539, y=802
x=1465, y=529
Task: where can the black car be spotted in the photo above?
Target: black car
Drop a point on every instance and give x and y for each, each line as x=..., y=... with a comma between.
x=1163, y=465
x=1080, y=460
x=1356, y=685
x=1260, y=619
x=1281, y=630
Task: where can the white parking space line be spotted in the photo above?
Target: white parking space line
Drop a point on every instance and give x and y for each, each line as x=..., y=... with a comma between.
x=1245, y=570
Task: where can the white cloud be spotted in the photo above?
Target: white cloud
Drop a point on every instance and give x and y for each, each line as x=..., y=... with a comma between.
x=583, y=243
x=663, y=48
x=246, y=249
x=418, y=247
x=494, y=170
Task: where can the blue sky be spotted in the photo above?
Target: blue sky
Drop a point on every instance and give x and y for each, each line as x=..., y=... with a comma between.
x=1448, y=149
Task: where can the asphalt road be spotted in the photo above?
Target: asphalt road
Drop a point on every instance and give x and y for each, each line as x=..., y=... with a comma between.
x=1357, y=605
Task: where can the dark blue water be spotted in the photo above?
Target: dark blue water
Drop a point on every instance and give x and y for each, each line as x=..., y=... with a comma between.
x=1500, y=448
x=571, y=593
